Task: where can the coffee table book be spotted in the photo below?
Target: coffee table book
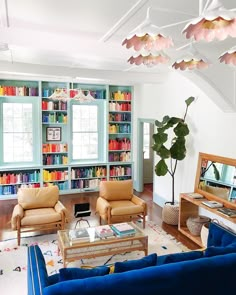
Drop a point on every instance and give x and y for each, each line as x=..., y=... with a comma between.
x=227, y=211
x=79, y=235
x=104, y=231
x=123, y=229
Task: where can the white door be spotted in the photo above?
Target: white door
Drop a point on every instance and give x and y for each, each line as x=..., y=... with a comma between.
x=148, y=129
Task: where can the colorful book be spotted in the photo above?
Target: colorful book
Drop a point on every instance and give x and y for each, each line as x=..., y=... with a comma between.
x=104, y=231
x=123, y=228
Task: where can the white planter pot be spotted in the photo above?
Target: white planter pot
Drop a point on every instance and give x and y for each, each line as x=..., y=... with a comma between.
x=170, y=214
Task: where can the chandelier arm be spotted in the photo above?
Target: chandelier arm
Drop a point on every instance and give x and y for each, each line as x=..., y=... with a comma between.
x=172, y=11
x=176, y=24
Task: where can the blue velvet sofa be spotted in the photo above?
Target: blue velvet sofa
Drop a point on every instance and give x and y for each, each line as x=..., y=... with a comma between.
x=212, y=271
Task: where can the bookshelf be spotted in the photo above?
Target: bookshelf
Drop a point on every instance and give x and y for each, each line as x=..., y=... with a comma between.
x=54, y=164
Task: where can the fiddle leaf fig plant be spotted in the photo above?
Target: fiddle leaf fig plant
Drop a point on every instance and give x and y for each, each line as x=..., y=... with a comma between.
x=173, y=149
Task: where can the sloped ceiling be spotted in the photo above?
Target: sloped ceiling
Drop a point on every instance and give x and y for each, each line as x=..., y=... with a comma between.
x=81, y=38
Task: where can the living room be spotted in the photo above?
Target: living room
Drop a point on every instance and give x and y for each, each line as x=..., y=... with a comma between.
x=42, y=47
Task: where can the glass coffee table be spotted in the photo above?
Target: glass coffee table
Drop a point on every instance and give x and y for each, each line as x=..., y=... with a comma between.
x=100, y=246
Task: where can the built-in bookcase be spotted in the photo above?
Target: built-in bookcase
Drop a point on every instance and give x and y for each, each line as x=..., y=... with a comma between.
x=55, y=164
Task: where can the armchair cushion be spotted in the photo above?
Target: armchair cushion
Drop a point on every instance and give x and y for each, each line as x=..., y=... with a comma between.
x=44, y=197
x=125, y=208
x=112, y=190
x=40, y=216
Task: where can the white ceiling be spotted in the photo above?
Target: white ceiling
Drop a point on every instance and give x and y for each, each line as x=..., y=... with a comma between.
x=88, y=34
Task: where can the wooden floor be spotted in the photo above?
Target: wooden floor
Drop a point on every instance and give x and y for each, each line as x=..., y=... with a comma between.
x=154, y=213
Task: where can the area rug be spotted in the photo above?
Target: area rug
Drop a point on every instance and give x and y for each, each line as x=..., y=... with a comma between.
x=13, y=259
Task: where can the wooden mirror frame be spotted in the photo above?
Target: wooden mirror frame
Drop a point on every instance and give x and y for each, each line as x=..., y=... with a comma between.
x=207, y=195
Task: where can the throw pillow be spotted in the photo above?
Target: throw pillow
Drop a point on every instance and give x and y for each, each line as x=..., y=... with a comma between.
x=149, y=260
x=214, y=251
x=80, y=273
x=177, y=257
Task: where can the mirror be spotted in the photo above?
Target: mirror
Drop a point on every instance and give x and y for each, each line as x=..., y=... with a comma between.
x=216, y=179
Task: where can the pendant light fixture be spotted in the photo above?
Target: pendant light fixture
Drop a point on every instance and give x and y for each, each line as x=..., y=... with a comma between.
x=191, y=60
x=215, y=22
x=147, y=37
x=229, y=57
x=59, y=94
x=149, y=59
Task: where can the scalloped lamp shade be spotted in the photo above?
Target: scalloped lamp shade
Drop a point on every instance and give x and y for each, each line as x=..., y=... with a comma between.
x=149, y=60
x=190, y=65
x=59, y=94
x=229, y=57
x=215, y=23
x=148, y=42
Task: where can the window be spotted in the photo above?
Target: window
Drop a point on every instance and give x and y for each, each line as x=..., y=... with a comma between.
x=17, y=136
x=86, y=139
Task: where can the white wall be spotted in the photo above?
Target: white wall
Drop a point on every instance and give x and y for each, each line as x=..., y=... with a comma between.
x=211, y=129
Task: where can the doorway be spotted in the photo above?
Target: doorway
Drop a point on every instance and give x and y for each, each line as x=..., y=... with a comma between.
x=145, y=155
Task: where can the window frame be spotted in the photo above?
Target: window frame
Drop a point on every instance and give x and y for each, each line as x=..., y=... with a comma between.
x=101, y=108
x=36, y=135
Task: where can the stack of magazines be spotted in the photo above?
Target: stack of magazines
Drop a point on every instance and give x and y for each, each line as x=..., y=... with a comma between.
x=123, y=229
x=228, y=212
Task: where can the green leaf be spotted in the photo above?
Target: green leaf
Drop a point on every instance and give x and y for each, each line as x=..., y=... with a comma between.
x=178, y=149
x=158, y=123
x=181, y=129
x=163, y=152
x=165, y=119
x=189, y=100
x=160, y=138
x=173, y=120
x=161, y=168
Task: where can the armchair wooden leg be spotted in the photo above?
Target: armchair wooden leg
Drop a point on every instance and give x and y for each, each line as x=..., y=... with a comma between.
x=144, y=221
x=100, y=220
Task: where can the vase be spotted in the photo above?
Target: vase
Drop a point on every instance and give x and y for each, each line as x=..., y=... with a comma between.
x=170, y=214
x=194, y=224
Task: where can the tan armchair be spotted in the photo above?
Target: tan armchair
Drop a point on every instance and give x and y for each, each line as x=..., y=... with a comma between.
x=117, y=203
x=38, y=209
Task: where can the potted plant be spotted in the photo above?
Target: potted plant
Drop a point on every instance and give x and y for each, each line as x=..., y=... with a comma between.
x=172, y=150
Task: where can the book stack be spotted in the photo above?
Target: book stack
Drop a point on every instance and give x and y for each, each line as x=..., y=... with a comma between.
x=227, y=211
x=212, y=204
x=104, y=231
x=80, y=235
x=123, y=229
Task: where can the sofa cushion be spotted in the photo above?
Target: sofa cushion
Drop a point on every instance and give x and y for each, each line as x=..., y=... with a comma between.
x=220, y=236
x=213, y=251
x=177, y=257
x=81, y=273
x=149, y=260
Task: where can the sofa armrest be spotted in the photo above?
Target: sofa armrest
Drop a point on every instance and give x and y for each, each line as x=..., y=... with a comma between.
x=102, y=206
x=138, y=201
x=37, y=276
x=18, y=212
